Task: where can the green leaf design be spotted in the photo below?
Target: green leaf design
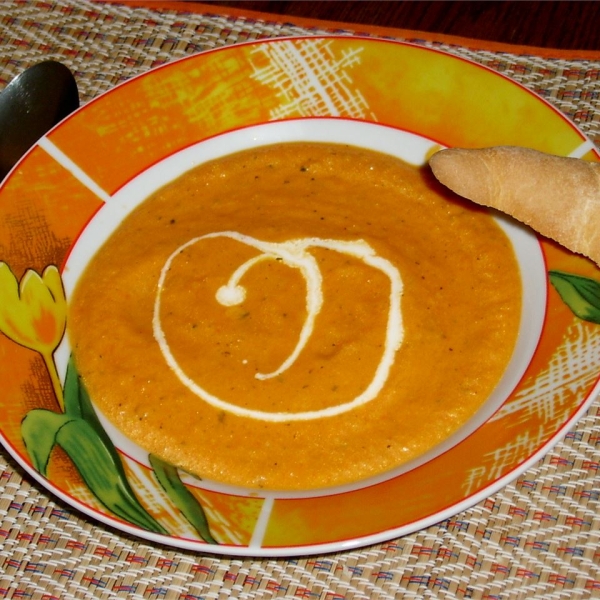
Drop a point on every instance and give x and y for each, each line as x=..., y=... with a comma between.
x=95, y=462
x=78, y=403
x=80, y=434
x=580, y=294
x=39, y=429
x=71, y=390
x=184, y=500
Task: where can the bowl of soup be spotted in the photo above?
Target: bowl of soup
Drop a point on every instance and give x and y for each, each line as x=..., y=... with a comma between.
x=256, y=321
x=310, y=302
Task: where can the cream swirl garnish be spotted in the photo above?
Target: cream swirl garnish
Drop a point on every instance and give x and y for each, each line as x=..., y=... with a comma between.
x=294, y=254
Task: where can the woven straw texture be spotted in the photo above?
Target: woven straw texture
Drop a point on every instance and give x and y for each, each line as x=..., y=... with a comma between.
x=539, y=537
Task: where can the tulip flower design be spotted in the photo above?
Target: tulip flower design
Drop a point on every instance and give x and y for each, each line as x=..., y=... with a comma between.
x=33, y=313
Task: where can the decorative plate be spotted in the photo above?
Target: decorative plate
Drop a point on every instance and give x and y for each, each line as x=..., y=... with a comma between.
x=72, y=188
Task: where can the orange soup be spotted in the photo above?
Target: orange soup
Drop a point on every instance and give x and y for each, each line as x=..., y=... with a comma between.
x=296, y=316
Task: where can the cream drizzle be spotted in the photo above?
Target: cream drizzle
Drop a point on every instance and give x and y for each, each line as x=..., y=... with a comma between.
x=293, y=253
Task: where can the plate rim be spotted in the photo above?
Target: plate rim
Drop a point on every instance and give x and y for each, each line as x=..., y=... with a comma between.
x=340, y=545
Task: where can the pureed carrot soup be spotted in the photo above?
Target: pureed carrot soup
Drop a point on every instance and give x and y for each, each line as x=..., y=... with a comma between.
x=296, y=316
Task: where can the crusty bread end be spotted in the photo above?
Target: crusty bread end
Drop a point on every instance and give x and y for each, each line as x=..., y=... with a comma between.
x=556, y=196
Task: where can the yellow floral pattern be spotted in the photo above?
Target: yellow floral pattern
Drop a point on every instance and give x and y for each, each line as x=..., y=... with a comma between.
x=33, y=313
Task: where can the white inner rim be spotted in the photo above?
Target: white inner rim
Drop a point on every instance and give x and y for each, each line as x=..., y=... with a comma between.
x=407, y=146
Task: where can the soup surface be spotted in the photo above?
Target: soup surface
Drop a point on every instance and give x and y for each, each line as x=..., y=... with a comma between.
x=296, y=316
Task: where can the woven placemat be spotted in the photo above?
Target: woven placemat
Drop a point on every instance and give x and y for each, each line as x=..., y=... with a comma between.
x=539, y=537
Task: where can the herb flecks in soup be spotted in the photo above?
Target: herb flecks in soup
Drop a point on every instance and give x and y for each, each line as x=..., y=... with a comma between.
x=296, y=316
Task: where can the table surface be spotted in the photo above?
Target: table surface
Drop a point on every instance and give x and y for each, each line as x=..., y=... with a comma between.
x=537, y=537
x=568, y=25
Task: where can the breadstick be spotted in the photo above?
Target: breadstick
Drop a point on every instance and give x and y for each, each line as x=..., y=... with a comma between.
x=556, y=196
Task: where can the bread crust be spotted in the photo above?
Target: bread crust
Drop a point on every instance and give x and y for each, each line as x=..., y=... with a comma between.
x=556, y=196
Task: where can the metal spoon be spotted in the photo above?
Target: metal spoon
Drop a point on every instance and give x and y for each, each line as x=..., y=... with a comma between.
x=30, y=105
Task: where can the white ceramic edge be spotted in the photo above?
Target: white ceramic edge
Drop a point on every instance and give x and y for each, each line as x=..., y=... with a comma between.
x=393, y=141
